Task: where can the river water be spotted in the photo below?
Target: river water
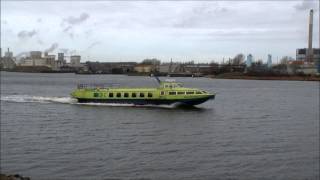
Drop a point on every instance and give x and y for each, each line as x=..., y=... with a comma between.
x=252, y=130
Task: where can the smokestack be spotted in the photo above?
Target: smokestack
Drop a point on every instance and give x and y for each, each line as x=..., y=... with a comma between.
x=310, y=53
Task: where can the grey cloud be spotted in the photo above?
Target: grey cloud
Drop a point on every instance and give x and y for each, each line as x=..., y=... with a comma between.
x=200, y=16
x=306, y=5
x=71, y=21
x=40, y=42
x=39, y=20
x=27, y=34
x=52, y=47
x=93, y=44
x=22, y=54
x=208, y=9
x=67, y=29
x=64, y=50
x=71, y=35
x=77, y=20
x=67, y=51
x=73, y=52
x=236, y=34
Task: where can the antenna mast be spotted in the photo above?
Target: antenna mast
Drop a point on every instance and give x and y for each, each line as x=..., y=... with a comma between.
x=158, y=80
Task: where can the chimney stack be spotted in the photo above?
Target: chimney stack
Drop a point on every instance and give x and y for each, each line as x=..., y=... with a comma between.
x=310, y=53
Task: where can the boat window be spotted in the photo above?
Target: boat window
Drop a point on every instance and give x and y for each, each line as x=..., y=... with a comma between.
x=126, y=94
x=204, y=92
x=95, y=94
x=172, y=93
x=181, y=92
x=133, y=95
x=118, y=94
x=198, y=92
x=162, y=93
x=149, y=94
x=190, y=92
x=110, y=94
x=141, y=94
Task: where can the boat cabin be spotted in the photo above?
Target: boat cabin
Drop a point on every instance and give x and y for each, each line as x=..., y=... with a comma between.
x=170, y=85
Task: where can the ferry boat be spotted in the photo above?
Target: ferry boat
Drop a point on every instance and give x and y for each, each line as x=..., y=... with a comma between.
x=168, y=93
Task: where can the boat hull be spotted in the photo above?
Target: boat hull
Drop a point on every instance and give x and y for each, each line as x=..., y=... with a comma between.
x=188, y=102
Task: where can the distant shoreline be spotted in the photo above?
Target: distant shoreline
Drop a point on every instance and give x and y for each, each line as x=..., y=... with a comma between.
x=220, y=76
x=281, y=77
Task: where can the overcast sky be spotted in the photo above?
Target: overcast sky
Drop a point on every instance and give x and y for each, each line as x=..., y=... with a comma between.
x=134, y=30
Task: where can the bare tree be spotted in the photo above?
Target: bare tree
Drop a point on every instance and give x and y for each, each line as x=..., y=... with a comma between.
x=238, y=59
x=152, y=61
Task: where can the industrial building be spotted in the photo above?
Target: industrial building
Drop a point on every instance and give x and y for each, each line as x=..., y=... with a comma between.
x=198, y=68
x=75, y=61
x=8, y=54
x=308, y=59
x=7, y=62
x=35, y=59
x=269, y=62
x=302, y=55
x=60, y=56
x=35, y=54
x=170, y=68
x=111, y=67
x=249, y=60
x=50, y=60
x=145, y=68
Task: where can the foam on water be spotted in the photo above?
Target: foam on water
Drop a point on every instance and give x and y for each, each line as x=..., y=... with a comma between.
x=68, y=100
x=37, y=99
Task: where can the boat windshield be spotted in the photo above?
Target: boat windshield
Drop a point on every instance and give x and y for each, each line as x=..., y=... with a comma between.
x=171, y=85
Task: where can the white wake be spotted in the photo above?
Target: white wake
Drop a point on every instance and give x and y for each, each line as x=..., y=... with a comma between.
x=68, y=100
x=37, y=99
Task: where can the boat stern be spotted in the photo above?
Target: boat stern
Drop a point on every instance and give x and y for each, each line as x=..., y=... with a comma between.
x=73, y=94
x=76, y=94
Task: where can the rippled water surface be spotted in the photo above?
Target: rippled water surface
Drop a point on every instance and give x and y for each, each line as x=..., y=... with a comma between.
x=252, y=130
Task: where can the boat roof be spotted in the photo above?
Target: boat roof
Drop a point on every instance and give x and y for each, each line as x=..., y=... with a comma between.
x=150, y=89
x=168, y=84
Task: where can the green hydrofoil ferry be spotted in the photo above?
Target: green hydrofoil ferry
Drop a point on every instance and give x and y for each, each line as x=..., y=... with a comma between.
x=168, y=93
